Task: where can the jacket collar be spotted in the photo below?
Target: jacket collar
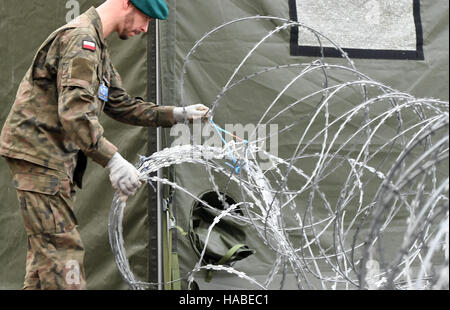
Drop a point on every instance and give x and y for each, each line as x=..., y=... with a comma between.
x=93, y=16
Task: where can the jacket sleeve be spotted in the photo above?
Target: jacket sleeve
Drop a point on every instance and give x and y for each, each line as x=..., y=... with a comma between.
x=78, y=108
x=134, y=110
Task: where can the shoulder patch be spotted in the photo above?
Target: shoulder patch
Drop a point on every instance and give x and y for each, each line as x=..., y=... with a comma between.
x=89, y=45
x=82, y=69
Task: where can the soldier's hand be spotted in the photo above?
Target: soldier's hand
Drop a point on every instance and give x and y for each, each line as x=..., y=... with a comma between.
x=124, y=176
x=191, y=113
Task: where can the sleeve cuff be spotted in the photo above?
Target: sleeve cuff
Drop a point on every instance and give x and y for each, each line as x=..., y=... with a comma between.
x=104, y=152
x=165, y=116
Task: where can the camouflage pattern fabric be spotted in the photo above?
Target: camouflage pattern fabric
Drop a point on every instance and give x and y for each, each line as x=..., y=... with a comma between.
x=51, y=128
x=55, y=251
x=55, y=114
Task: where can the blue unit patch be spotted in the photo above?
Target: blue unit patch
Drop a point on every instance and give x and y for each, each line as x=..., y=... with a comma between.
x=103, y=92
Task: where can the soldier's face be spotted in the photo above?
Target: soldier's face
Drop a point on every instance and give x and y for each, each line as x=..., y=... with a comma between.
x=134, y=23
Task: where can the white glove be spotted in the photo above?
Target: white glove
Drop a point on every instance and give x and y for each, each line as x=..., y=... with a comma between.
x=124, y=176
x=190, y=113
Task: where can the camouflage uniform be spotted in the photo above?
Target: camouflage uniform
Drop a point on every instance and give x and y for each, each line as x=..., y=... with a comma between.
x=46, y=199
x=52, y=127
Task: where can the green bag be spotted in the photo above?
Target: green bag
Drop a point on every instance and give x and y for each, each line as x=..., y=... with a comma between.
x=226, y=243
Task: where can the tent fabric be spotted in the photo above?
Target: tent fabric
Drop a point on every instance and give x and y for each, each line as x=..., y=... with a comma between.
x=25, y=24
x=374, y=29
x=214, y=62
x=23, y=27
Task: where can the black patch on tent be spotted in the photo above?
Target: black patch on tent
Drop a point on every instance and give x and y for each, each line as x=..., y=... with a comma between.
x=213, y=200
x=225, y=236
x=316, y=51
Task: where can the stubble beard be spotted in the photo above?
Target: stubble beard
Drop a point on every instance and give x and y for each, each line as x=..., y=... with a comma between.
x=129, y=21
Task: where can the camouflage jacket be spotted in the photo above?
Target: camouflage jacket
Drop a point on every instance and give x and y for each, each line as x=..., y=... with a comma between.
x=54, y=119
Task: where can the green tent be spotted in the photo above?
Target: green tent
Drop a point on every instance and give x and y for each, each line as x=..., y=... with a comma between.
x=151, y=66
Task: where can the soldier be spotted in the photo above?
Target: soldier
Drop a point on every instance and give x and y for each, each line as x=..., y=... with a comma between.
x=53, y=125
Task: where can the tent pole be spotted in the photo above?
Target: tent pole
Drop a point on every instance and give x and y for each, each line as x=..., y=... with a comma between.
x=159, y=187
x=155, y=262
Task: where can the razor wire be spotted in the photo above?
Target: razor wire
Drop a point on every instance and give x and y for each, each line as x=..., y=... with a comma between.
x=384, y=151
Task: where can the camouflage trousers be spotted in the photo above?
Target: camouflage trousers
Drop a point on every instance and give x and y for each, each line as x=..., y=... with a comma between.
x=55, y=253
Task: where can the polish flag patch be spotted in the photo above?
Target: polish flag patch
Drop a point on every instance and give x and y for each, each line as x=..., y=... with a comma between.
x=88, y=45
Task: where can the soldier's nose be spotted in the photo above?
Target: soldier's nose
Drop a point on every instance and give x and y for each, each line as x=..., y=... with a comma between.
x=145, y=28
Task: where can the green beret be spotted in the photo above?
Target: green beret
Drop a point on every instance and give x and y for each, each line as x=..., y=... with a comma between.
x=156, y=9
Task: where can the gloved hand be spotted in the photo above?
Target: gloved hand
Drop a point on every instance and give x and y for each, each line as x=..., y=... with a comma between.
x=124, y=176
x=192, y=112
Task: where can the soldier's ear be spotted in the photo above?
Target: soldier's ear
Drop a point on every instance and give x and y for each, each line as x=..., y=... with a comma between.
x=127, y=4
